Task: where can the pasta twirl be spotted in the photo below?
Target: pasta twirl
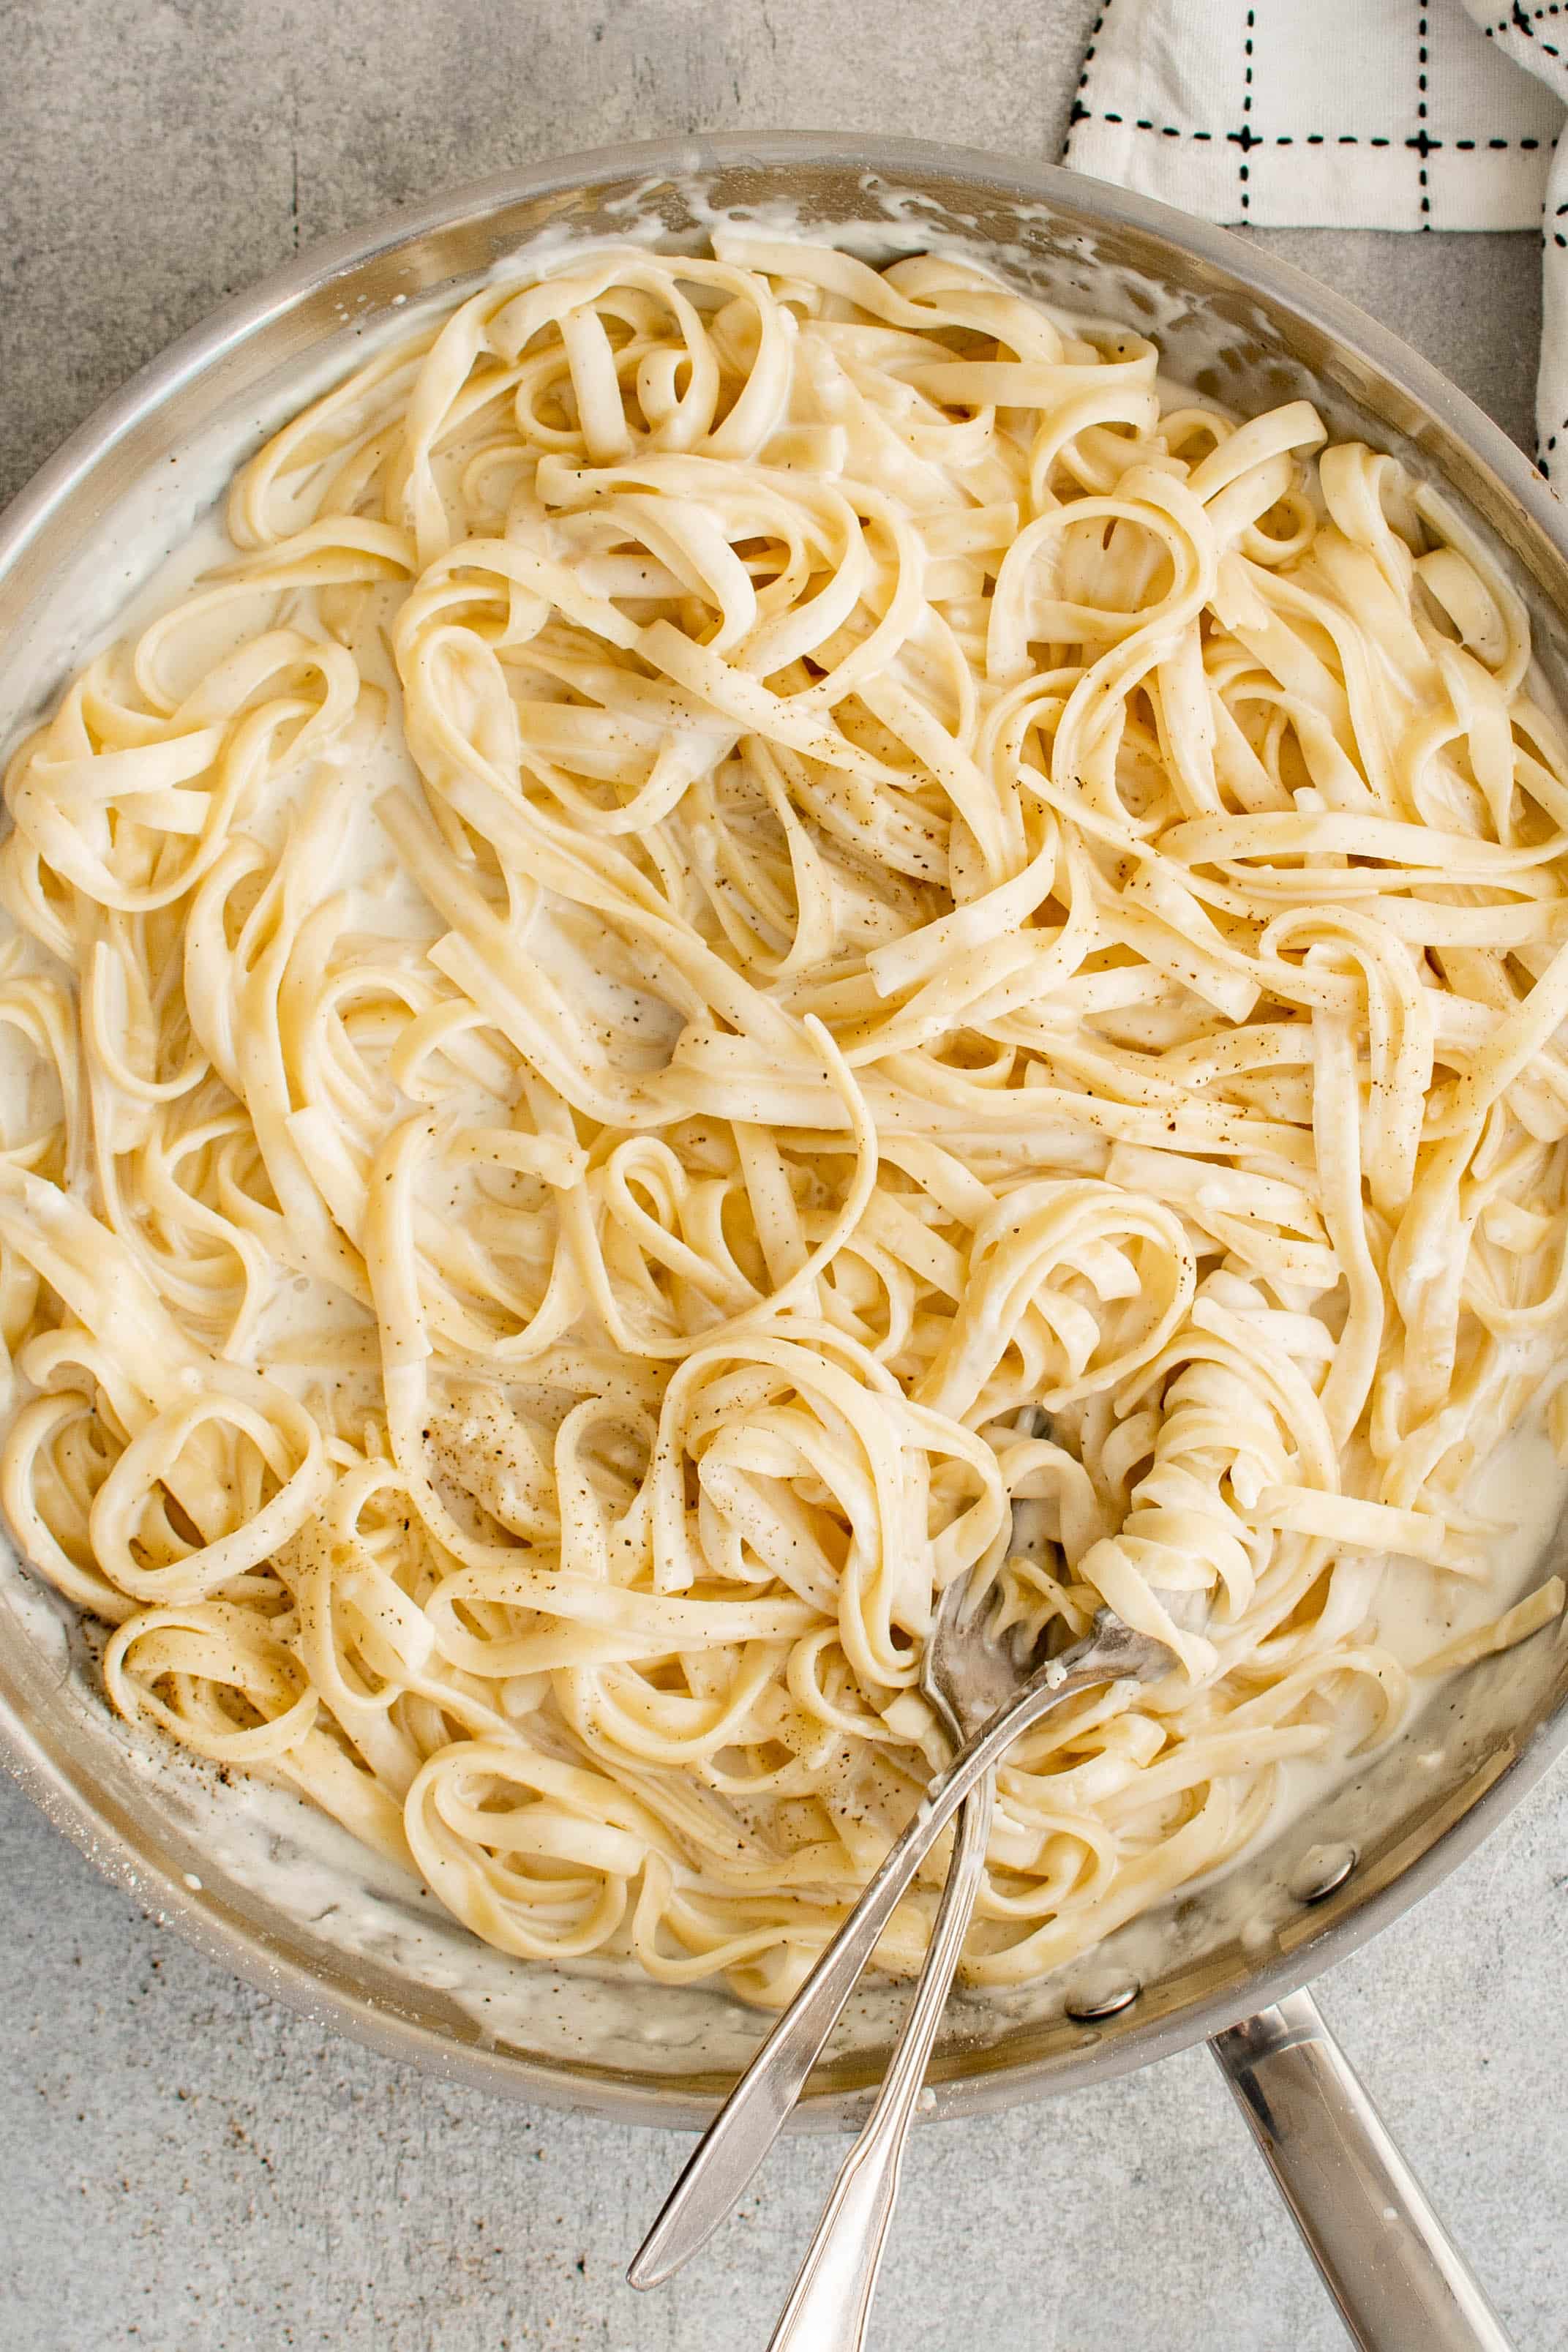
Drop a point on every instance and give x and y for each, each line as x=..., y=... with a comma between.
x=778, y=935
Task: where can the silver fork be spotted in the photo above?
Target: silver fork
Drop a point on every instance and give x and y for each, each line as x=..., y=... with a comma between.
x=971, y=1668
x=984, y=1682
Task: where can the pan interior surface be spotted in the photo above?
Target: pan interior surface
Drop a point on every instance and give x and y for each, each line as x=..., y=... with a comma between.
x=256, y=1878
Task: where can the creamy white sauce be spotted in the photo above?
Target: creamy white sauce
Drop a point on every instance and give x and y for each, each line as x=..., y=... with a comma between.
x=1416, y=1610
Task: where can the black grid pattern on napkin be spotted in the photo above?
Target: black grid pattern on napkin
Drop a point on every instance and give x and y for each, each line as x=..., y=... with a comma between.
x=1245, y=138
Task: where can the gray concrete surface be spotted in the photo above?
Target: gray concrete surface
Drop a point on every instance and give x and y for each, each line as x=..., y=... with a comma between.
x=183, y=2164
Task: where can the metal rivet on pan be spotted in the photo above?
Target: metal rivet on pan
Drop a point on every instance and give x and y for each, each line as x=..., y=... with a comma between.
x=1104, y=1997
x=1319, y=1870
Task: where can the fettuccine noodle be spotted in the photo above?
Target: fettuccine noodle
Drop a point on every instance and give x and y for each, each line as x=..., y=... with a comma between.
x=781, y=934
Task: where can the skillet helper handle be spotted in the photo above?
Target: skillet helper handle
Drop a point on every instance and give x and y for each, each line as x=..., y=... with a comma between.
x=1369, y=2226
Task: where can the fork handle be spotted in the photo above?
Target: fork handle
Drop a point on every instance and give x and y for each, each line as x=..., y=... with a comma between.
x=830, y=2302
x=751, y=2118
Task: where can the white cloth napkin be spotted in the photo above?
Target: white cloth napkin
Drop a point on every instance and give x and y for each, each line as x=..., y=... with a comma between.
x=1345, y=113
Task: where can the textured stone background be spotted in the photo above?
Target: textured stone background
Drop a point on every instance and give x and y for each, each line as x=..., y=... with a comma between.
x=186, y=2166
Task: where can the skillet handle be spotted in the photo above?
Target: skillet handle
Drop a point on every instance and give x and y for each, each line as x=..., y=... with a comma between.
x=1368, y=2224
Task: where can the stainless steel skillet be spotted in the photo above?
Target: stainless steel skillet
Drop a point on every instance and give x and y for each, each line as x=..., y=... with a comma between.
x=73, y=547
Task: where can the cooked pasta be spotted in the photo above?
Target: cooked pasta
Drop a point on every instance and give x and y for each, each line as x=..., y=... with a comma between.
x=779, y=933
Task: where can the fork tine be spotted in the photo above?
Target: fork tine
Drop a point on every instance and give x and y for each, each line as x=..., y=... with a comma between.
x=1025, y=1648
x=996, y=1607
x=975, y=1597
